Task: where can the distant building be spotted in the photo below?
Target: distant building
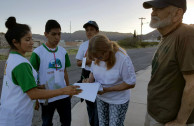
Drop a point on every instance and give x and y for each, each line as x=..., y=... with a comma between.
x=151, y=40
x=73, y=43
x=79, y=40
x=62, y=41
x=70, y=44
x=36, y=43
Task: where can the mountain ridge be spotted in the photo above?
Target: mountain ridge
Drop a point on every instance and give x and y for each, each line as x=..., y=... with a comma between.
x=81, y=35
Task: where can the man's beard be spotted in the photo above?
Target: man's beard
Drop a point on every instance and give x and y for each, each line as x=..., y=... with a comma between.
x=157, y=23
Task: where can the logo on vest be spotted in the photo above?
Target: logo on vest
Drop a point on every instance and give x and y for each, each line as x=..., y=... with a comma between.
x=55, y=64
x=7, y=84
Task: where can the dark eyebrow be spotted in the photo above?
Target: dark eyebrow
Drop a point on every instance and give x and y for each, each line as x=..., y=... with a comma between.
x=29, y=37
x=55, y=32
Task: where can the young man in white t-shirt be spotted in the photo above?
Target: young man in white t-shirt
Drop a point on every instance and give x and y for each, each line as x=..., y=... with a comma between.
x=51, y=61
x=91, y=29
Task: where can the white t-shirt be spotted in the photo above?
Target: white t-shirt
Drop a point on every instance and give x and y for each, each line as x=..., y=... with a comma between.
x=122, y=71
x=82, y=53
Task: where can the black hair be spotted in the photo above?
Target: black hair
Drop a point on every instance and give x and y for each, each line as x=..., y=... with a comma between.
x=15, y=31
x=51, y=24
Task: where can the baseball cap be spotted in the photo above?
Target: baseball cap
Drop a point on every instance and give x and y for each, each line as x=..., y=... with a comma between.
x=91, y=23
x=165, y=3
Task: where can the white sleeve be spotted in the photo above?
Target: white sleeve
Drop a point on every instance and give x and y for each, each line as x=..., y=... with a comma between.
x=80, y=54
x=128, y=72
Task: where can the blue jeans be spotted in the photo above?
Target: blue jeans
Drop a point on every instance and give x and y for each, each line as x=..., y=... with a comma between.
x=63, y=107
x=92, y=113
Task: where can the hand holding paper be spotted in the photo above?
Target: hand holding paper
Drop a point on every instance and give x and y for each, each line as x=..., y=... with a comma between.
x=89, y=90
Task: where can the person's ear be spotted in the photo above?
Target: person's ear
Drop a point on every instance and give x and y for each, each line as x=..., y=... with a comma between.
x=15, y=43
x=178, y=15
x=46, y=34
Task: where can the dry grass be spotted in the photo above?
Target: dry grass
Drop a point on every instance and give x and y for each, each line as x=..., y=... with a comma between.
x=72, y=51
x=3, y=57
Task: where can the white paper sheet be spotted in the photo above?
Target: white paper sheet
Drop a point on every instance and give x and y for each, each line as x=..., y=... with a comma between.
x=89, y=91
x=58, y=76
x=84, y=62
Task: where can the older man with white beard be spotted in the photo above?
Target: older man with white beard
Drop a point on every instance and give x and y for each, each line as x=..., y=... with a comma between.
x=171, y=88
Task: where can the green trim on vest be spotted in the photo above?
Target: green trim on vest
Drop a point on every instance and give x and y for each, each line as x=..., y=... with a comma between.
x=35, y=61
x=49, y=49
x=15, y=52
x=67, y=61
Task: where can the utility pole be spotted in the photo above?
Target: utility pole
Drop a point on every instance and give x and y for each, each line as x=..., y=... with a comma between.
x=141, y=25
x=70, y=31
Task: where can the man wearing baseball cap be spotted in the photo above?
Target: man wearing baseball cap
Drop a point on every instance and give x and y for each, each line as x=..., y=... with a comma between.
x=170, y=100
x=91, y=29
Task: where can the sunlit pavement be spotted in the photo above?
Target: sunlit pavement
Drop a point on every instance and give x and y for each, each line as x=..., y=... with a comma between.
x=137, y=108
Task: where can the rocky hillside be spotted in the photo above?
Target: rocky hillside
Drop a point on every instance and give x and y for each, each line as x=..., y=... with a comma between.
x=154, y=34
x=3, y=42
x=78, y=35
x=81, y=35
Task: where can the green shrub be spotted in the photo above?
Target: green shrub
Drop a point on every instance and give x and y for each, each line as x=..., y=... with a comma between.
x=129, y=43
x=145, y=44
x=135, y=43
x=72, y=51
x=3, y=57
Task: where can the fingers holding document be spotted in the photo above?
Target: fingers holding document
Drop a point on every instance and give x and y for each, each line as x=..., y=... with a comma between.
x=85, y=80
x=102, y=90
x=71, y=90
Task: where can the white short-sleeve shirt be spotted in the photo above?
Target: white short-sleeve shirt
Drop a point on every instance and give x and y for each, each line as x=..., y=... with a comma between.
x=122, y=71
x=82, y=53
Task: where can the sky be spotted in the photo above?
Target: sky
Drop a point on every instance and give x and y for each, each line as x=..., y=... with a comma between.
x=111, y=15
